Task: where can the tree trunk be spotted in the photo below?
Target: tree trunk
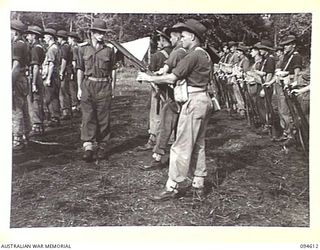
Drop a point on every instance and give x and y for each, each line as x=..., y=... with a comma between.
x=121, y=29
x=42, y=20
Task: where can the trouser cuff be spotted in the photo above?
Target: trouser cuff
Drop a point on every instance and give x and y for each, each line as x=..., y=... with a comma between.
x=171, y=186
x=198, y=182
x=88, y=145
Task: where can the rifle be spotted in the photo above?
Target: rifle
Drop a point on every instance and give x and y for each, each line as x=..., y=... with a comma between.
x=252, y=114
x=221, y=91
x=270, y=111
x=30, y=79
x=139, y=65
x=239, y=80
x=222, y=75
x=299, y=119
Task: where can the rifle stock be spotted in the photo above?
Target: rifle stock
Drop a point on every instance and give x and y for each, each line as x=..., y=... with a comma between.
x=298, y=117
x=269, y=108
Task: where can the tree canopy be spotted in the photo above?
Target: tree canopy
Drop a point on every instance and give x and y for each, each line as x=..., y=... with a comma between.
x=247, y=28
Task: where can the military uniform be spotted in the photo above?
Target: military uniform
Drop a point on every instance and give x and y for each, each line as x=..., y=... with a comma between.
x=65, y=93
x=20, y=117
x=170, y=111
x=35, y=99
x=156, y=62
x=187, y=154
x=73, y=79
x=97, y=65
x=232, y=59
x=267, y=66
x=51, y=93
x=304, y=98
x=290, y=62
x=188, y=151
x=243, y=65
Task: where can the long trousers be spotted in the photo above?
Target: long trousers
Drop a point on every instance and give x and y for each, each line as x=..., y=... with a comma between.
x=187, y=154
x=154, y=114
x=35, y=103
x=51, y=97
x=168, y=123
x=95, y=105
x=238, y=97
x=286, y=122
x=73, y=91
x=20, y=116
x=65, y=93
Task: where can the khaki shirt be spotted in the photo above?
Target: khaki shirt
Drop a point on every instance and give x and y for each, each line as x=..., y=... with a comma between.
x=176, y=55
x=158, y=59
x=195, y=67
x=53, y=55
x=20, y=53
x=95, y=62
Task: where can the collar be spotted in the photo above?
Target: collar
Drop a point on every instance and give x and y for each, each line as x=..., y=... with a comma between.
x=51, y=43
x=179, y=45
x=63, y=42
x=101, y=47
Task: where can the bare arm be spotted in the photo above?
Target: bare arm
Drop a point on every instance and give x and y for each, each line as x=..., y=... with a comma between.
x=63, y=67
x=114, y=80
x=16, y=68
x=35, y=74
x=49, y=75
x=80, y=76
x=164, y=70
x=271, y=81
x=300, y=91
x=296, y=73
x=269, y=77
x=163, y=79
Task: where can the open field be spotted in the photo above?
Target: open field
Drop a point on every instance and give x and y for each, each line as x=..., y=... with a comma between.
x=251, y=181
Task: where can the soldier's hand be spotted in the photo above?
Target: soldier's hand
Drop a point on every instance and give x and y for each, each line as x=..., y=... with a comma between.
x=34, y=88
x=143, y=77
x=61, y=77
x=267, y=84
x=79, y=94
x=296, y=92
x=159, y=72
x=47, y=83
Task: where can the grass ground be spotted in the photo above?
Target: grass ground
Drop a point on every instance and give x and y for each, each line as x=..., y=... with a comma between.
x=251, y=181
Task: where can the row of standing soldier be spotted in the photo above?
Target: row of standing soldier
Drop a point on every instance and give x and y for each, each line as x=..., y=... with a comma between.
x=272, y=92
x=49, y=78
x=43, y=79
x=185, y=69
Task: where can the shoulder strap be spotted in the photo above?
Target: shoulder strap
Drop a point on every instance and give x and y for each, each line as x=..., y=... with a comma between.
x=165, y=53
x=263, y=64
x=289, y=61
x=83, y=44
x=38, y=45
x=20, y=41
x=207, y=54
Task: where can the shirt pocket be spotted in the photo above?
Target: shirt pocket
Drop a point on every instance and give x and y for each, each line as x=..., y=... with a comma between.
x=88, y=61
x=103, y=62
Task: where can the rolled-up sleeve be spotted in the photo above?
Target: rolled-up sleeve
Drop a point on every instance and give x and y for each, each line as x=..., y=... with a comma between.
x=185, y=66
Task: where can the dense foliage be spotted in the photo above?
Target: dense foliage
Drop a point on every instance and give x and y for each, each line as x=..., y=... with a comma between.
x=247, y=28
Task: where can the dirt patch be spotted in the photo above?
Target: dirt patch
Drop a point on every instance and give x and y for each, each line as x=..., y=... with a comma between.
x=251, y=181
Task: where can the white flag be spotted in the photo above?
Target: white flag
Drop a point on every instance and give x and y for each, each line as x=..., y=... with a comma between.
x=138, y=47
